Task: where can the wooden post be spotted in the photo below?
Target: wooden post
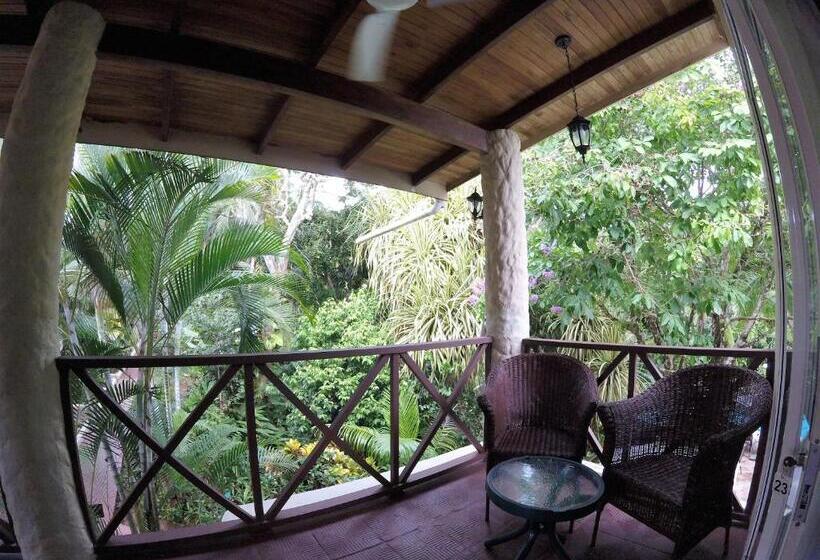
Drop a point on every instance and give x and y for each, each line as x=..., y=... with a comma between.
x=253, y=447
x=394, y=419
x=35, y=166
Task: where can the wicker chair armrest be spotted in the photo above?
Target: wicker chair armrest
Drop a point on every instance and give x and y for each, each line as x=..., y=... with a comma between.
x=630, y=425
x=711, y=476
x=713, y=468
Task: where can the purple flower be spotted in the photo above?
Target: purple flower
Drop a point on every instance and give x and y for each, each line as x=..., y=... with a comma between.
x=547, y=248
x=533, y=282
x=472, y=300
x=557, y=309
x=478, y=286
x=547, y=274
x=534, y=298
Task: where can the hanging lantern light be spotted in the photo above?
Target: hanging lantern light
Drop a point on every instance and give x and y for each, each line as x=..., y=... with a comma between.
x=476, y=202
x=579, y=129
x=580, y=135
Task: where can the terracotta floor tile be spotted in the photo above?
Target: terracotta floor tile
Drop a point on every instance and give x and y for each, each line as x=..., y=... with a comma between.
x=446, y=522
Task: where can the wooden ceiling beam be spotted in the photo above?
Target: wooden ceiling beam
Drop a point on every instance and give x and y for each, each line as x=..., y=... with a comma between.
x=499, y=25
x=165, y=50
x=663, y=31
x=344, y=11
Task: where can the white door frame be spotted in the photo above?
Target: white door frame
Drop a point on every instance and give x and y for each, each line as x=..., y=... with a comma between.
x=779, y=41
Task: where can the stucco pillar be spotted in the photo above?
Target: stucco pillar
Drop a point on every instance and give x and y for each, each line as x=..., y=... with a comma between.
x=35, y=165
x=505, y=238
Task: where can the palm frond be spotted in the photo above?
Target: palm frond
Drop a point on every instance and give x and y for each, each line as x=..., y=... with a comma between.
x=215, y=263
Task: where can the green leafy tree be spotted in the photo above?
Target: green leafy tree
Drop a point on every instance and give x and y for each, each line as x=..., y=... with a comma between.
x=327, y=384
x=326, y=241
x=663, y=236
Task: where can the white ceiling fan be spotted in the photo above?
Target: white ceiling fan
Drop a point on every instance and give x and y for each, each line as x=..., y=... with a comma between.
x=374, y=36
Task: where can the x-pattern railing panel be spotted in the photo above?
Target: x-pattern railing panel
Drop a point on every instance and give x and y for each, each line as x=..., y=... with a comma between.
x=163, y=453
x=334, y=428
x=442, y=401
x=446, y=409
x=320, y=425
x=248, y=365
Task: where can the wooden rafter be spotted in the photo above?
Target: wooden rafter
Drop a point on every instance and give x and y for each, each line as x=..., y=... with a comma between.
x=663, y=31
x=167, y=105
x=168, y=77
x=498, y=26
x=152, y=48
x=344, y=12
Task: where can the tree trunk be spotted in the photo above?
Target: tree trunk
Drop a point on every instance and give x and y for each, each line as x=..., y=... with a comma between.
x=177, y=369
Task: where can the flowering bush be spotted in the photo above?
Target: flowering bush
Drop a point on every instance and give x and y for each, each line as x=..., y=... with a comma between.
x=333, y=466
x=540, y=282
x=476, y=292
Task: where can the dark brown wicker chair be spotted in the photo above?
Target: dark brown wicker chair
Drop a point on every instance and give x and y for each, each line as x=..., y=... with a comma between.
x=537, y=404
x=670, y=453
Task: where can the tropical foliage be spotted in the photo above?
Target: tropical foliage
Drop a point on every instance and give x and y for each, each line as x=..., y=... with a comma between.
x=145, y=239
x=144, y=225
x=663, y=235
x=423, y=274
x=326, y=242
x=327, y=384
x=375, y=442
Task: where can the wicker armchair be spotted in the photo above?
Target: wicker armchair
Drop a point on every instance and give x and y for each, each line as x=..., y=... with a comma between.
x=671, y=452
x=537, y=404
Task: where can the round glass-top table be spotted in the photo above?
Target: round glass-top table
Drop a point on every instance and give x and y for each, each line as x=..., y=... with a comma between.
x=542, y=490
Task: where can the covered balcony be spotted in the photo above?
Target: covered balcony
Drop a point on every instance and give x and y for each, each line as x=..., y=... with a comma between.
x=422, y=507
x=466, y=87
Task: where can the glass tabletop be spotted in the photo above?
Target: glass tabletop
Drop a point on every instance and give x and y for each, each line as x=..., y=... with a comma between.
x=549, y=484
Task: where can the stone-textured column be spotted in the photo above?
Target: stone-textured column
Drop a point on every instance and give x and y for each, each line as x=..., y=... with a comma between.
x=35, y=165
x=505, y=238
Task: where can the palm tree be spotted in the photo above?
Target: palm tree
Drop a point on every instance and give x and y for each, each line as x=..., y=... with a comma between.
x=143, y=225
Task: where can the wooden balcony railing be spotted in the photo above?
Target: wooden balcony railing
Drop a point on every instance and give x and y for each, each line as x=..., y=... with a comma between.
x=248, y=366
x=751, y=358
x=639, y=365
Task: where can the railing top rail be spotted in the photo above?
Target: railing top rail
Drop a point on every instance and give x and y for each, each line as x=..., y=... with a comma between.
x=651, y=349
x=259, y=358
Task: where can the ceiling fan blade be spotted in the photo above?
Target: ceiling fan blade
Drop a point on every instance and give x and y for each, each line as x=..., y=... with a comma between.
x=371, y=46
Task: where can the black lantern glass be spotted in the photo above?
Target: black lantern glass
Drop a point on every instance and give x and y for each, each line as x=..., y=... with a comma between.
x=476, y=205
x=580, y=135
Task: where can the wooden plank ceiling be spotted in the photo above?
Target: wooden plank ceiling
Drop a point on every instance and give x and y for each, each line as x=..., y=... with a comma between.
x=264, y=81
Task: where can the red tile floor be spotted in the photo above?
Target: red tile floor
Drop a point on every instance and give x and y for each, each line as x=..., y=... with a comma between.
x=444, y=520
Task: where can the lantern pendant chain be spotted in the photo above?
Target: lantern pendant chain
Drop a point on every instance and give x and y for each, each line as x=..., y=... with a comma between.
x=571, y=79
